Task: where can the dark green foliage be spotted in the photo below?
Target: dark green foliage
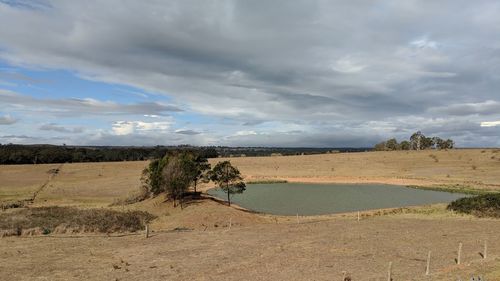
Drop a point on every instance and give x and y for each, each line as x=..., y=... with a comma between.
x=152, y=177
x=178, y=175
x=405, y=145
x=34, y=154
x=486, y=205
x=443, y=144
x=228, y=178
x=87, y=220
x=200, y=170
x=392, y=144
x=175, y=173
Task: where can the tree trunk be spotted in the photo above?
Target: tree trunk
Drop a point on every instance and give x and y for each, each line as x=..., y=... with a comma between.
x=228, y=198
x=195, y=186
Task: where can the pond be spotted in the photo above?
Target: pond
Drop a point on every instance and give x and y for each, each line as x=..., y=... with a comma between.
x=319, y=199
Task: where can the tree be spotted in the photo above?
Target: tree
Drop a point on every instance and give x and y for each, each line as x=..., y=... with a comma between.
x=201, y=168
x=177, y=176
x=391, y=144
x=426, y=143
x=416, y=140
x=152, y=176
x=380, y=146
x=437, y=142
x=447, y=144
x=405, y=145
x=227, y=178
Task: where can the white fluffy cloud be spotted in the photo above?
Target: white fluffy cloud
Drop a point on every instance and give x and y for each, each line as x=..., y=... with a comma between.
x=129, y=127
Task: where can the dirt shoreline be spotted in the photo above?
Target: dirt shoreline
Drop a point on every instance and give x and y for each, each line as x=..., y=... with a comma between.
x=411, y=183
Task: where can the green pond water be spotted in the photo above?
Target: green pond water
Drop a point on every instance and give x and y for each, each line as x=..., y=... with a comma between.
x=318, y=199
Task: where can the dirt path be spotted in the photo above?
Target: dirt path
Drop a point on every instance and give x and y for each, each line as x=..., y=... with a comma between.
x=52, y=174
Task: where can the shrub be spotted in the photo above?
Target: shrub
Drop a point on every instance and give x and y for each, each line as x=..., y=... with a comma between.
x=89, y=220
x=487, y=205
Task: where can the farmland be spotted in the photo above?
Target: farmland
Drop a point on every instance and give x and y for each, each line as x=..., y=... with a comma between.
x=206, y=240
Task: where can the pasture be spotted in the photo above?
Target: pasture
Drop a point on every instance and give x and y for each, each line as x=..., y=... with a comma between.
x=209, y=241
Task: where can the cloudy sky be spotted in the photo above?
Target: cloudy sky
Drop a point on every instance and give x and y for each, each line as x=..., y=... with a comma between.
x=253, y=73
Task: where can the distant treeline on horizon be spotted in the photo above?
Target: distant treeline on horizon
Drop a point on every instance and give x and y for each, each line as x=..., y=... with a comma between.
x=47, y=154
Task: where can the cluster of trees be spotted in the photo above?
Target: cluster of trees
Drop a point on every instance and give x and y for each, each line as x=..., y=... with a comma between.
x=35, y=154
x=178, y=171
x=418, y=141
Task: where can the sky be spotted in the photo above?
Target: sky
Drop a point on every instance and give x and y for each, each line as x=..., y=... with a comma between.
x=303, y=73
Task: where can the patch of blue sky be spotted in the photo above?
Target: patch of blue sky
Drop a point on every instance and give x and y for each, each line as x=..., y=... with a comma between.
x=27, y=4
x=59, y=84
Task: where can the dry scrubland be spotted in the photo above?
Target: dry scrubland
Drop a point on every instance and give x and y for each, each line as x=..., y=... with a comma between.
x=196, y=243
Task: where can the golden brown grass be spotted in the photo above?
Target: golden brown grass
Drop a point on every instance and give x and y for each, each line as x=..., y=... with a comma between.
x=19, y=182
x=262, y=247
x=285, y=251
x=471, y=168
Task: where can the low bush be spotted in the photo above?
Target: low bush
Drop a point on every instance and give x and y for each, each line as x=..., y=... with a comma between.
x=80, y=220
x=486, y=205
x=11, y=205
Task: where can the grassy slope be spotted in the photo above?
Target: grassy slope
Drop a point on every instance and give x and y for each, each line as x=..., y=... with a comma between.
x=467, y=168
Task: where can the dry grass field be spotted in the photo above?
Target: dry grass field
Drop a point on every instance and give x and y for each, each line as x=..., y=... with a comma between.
x=196, y=243
x=21, y=181
x=468, y=168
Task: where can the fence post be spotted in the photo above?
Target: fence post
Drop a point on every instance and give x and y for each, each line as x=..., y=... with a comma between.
x=459, y=253
x=297, y=218
x=389, y=272
x=147, y=231
x=428, y=268
x=230, y=222
x=358, y=215
x=485, y=251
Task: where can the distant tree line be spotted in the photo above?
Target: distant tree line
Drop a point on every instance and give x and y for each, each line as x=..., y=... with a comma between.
x=417, y=141
x=36, y=154
x=225, y=151
x=179, y=170
x=46, y=154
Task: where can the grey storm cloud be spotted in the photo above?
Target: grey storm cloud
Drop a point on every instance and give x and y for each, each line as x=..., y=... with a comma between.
x=60, y=129
x=332, y=63
x=187, y=132
x=489, y=107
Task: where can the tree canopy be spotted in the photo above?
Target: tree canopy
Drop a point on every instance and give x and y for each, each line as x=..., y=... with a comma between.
x=175, y=173
x=228, y=178
x=417, y=141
